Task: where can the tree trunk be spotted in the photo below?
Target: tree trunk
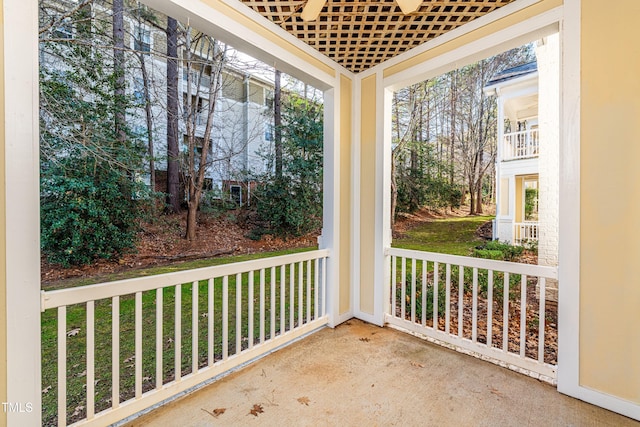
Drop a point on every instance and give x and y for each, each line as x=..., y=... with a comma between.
x=394, y=190
x=149, y=120
x=452, y=153
x=479, y=184
x=173, y=149
x=277, y=122
x=118, y=70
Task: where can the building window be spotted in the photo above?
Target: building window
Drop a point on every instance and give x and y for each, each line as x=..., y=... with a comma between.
x=138, y=90
x=236, y=194
x=142, y=39
x=268, y=132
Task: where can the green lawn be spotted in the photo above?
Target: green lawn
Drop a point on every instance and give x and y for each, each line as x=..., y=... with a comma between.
x=455, y=236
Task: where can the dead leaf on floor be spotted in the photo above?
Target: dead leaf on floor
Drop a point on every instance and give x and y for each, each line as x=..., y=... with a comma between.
x=496, y=392
x=73, y=332
x=257, y=409
x=216, y=412
x=416, y=364
x=365, y=339
x=304, y=400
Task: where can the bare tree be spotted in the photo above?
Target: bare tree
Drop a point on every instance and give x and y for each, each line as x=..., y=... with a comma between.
x=277, y=122
x=119, y=68
x=173, y=149
x=205, y=58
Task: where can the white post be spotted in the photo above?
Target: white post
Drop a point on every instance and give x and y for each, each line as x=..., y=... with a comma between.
x=21, y=201
x=384, y=97
x=331, y=200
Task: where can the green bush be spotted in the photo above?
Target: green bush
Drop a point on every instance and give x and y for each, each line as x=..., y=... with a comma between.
x=495, y=249
x=87, y=216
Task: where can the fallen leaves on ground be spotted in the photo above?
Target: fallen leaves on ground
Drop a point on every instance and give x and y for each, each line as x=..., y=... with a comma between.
x=304, y=400
x=257, y=409
x=365, y=339
x=216, y=412
x=161, y=242
x=416, y=364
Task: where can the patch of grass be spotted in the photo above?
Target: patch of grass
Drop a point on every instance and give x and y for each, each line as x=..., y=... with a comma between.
x=455, y=236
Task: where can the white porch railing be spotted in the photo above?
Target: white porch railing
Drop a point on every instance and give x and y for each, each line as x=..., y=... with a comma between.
x=521, y=145
x=524, y=232
x=485, y=307
x=127, y=345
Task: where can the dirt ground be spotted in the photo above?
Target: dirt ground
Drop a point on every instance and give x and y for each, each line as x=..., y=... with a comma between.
x=161, y=242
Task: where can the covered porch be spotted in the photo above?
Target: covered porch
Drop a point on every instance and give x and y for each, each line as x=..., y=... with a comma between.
x=355, y=274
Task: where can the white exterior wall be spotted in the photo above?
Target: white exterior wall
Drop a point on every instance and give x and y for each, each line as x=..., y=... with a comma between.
x=548, y=98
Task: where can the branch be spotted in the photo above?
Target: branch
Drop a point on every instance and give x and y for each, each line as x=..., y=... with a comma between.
x=64, y=16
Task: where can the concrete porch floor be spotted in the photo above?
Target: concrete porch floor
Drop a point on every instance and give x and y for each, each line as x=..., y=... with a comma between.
x=359, y=374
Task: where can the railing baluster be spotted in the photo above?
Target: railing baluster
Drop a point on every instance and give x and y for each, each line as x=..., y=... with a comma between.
x=413, y=291
x=195, y=362
x=542, y=284
x=138, y=345
x=91, y=365
x=523, y=315
x=272, y=288
x=238, y=313
x=394, y=285
x=436, y=279
x=292, y=295
x=177, y=339
x=403, y=294
x=324, y=286
x=225, y=317
x=283, y=311
x=115, y=352
x=159, y=338
x=460, y=300
x=250, y=309
x=505, y=314
x=489, y=307
x=474, y=309
x=308, y=291
x=300, y=289
x=425, y=266
x=262, y=308
x=210, y=314
x=62, y=366
x=316, y=274
x=447, y=309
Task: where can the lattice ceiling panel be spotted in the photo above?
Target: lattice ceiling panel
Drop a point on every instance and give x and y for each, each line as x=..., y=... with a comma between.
x=362, y=33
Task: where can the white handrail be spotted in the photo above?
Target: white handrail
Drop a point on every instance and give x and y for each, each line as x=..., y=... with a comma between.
x=62, y=297
x=488, y=264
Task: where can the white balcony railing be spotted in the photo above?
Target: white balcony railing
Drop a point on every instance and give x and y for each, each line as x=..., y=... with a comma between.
x=127, y=345
x=524, y=232
x=484, y=307
x=521, y=145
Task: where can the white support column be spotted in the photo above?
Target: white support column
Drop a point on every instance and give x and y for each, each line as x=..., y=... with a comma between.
x=20, y=134
x=331, y=200
x=383, y=207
